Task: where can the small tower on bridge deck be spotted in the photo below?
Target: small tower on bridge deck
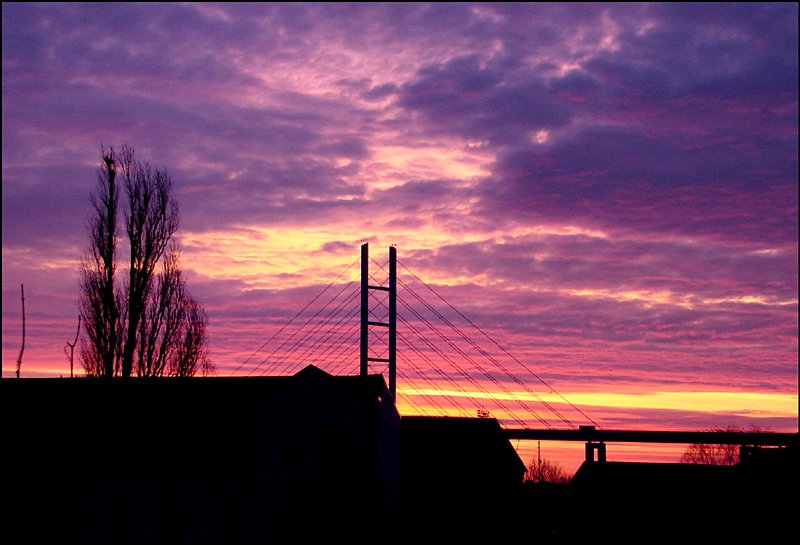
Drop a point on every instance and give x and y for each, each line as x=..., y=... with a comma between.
x=366, y=323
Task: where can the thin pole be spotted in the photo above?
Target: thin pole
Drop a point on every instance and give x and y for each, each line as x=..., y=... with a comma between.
x=539, y=461
x=393, y=321
x=71, y=346
x=364, y=308
x=22, y=350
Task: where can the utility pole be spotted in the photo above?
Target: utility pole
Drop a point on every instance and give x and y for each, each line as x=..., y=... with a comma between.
x=539, y=459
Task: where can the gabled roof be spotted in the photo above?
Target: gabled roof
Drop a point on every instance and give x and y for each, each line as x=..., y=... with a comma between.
x=179, y=385
x=473, y=438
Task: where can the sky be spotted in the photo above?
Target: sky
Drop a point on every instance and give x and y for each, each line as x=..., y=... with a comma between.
x=609, y=191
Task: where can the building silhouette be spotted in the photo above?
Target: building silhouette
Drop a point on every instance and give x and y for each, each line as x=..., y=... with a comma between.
x=198, y=460
x=314, y=457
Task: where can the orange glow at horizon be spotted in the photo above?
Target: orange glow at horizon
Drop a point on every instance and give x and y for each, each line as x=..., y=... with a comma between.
x=738, y=403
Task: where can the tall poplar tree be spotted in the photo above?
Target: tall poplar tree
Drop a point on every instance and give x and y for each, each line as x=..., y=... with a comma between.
x=148, y=325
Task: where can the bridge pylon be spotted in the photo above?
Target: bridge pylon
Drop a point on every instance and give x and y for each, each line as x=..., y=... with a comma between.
x=391, y=324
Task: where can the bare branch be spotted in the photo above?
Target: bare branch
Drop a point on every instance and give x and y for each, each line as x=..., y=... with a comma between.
x=71, y=346
x=22, y=350
x=546, y=471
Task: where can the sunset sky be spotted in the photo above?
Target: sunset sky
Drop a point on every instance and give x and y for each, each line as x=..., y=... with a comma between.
x=610, y=191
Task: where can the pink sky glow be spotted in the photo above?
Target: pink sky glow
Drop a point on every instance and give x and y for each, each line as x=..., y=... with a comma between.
x=609, y=191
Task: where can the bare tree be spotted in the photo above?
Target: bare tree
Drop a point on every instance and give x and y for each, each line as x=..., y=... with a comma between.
x=545, y=471
x=716, y=454
x=143, y=329
x=192, y=354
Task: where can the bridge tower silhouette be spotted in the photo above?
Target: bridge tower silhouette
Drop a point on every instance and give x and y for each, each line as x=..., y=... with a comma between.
x=390, y=324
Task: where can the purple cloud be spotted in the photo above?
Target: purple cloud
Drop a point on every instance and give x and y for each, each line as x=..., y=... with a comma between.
x=612, y=189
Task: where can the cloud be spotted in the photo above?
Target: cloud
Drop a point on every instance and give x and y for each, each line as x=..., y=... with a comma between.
x=461, y=97
x=626, y=181
x=609, y=190
x=656, y=130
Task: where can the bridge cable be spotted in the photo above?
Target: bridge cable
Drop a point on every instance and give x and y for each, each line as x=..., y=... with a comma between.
x=337, y=346
x=310, y=346
x=490, y=358
x=293, y=318
x=474, y=382
x=429, y=380
x=447, y=358
x=526, y=367
x=463, y=373
x=296, y=331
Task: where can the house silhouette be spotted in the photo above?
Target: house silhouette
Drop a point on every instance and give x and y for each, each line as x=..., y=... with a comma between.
x=235, y=460
x=752, y=501
x=198, y=460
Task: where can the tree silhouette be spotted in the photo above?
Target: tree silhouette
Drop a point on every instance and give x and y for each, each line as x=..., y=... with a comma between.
x=716, y=454
x=150, y=325
x=546, y=471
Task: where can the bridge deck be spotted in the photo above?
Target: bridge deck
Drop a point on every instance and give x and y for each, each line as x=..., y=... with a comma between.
x=590, y=434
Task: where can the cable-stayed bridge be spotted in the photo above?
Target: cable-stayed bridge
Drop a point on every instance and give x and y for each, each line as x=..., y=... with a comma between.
x=380, y=321
x=384, y=318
